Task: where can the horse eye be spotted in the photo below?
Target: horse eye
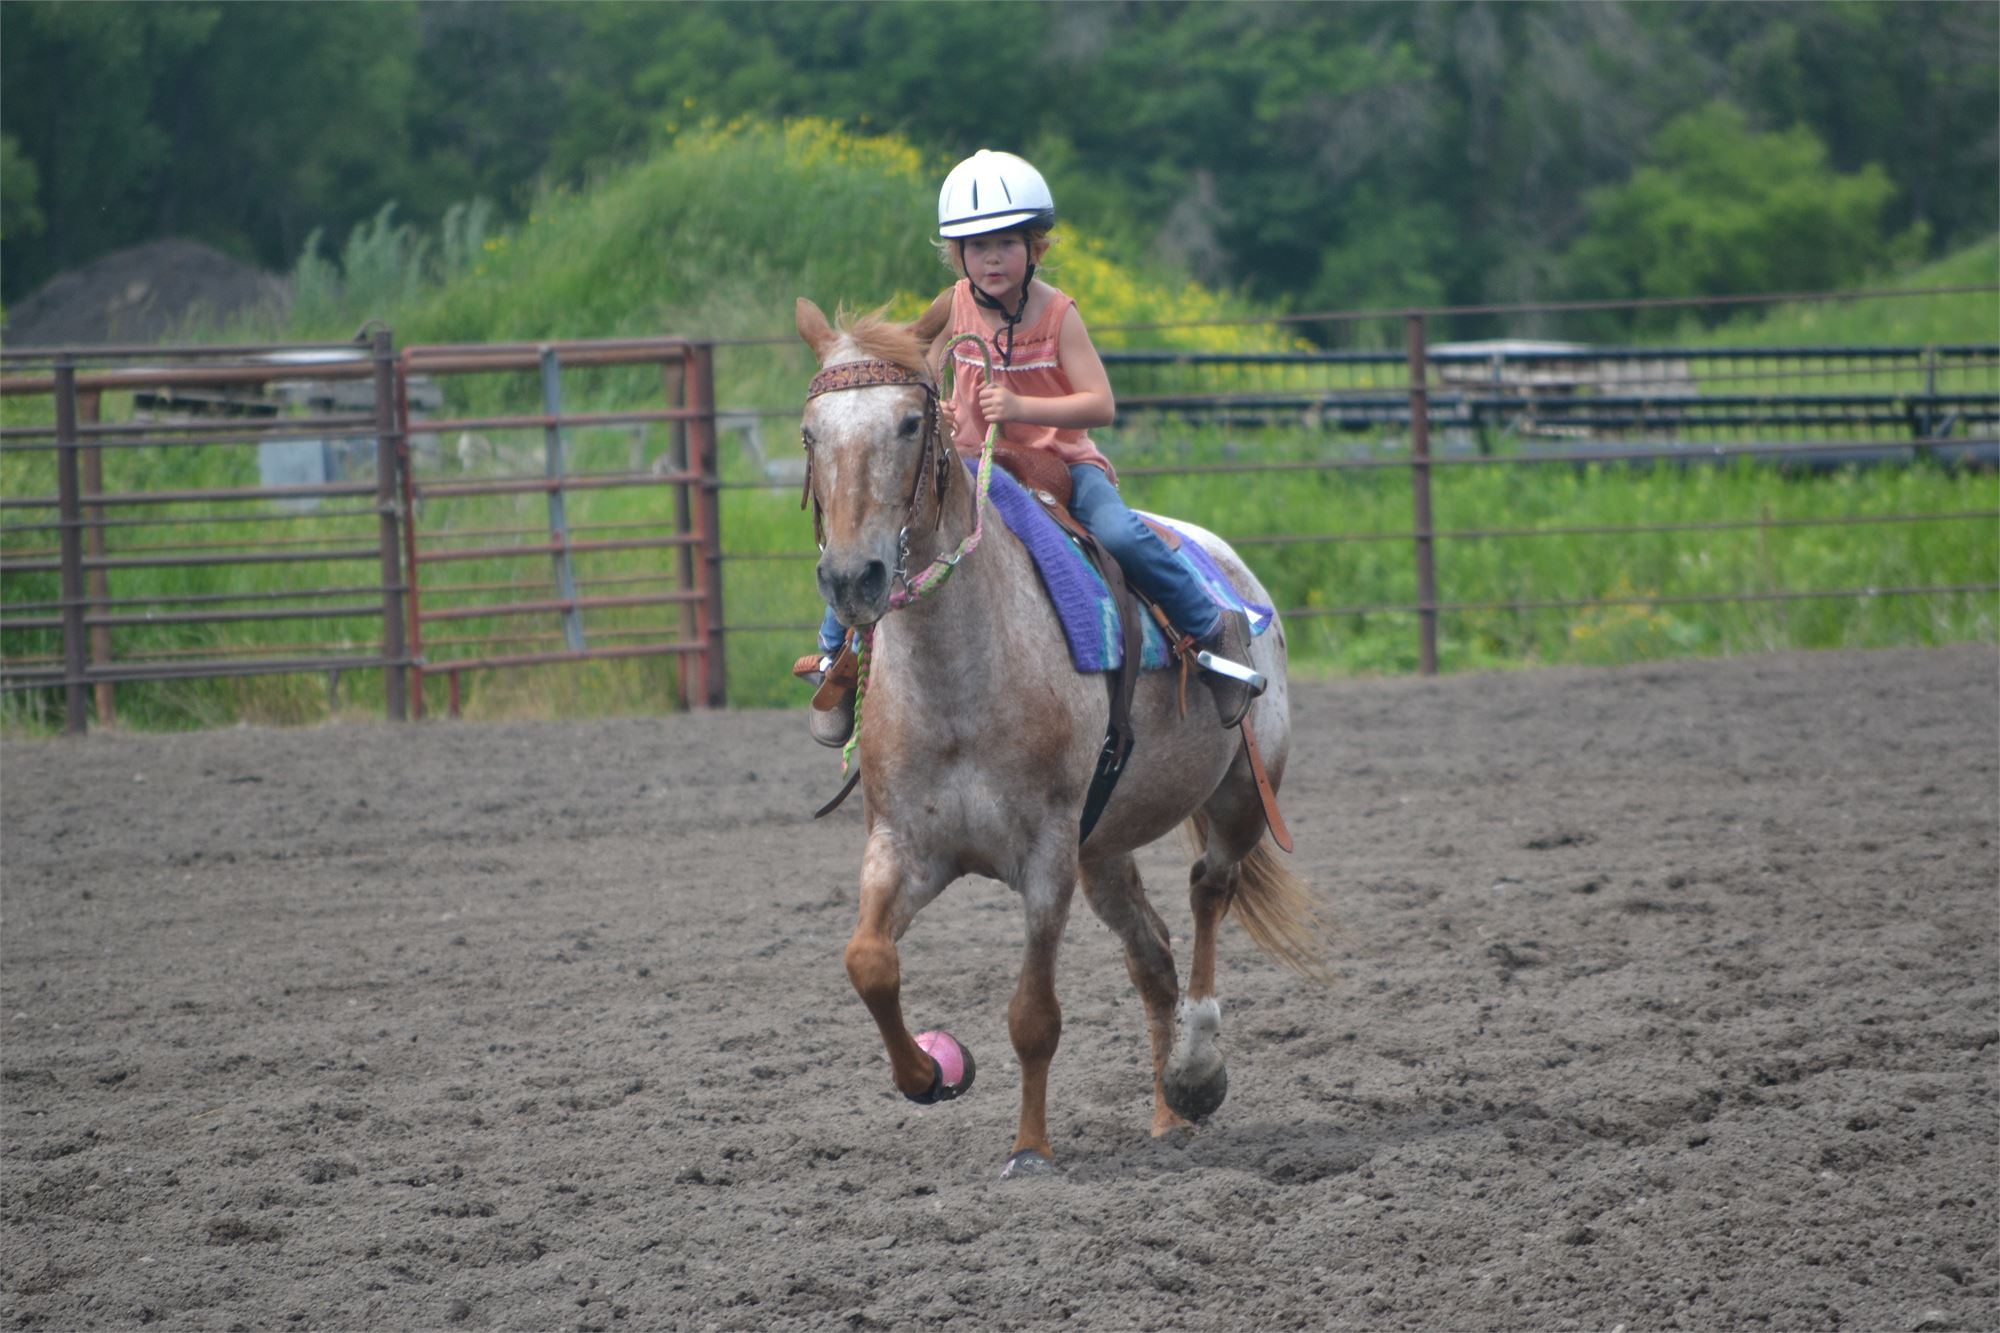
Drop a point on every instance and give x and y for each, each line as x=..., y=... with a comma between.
x=806, y=437
x=909, y=425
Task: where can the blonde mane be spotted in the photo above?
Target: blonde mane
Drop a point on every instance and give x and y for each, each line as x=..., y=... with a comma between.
x=876, y=335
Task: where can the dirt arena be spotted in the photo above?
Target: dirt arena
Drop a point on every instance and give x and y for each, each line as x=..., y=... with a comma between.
x=1667, y=999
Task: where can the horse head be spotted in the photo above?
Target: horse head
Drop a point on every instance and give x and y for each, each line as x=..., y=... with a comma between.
x=876, y=465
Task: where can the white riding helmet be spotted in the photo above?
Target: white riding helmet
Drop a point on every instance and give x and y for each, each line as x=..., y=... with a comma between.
x=992, y=191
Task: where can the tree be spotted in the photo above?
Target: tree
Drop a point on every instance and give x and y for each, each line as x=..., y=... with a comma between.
x=1323, y=155
x=20, y=183
x=1910, y=87
x=76, y=90
x=243, y=125
x=1724, y=209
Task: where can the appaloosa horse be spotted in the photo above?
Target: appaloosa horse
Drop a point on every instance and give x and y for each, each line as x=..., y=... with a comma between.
x=979, y=739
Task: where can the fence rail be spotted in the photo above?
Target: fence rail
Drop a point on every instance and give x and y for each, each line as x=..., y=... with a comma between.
x=1592, y=402
x=686, y=468
x=65, y=629
x=1481, y=392
x=504, y=535
x=239, y=380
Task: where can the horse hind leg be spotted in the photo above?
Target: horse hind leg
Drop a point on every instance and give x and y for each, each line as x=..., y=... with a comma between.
x=1236, y=869
x=1114, y=891
x=1196, y=1077
x=1227, y=831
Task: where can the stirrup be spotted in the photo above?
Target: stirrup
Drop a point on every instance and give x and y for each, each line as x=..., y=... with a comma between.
x=1222, y=666
x=833, y=701
x=1234, y=683
x=841, y=669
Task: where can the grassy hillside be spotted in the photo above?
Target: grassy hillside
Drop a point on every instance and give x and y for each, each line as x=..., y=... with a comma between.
x=1970, y=318
x=717, y=234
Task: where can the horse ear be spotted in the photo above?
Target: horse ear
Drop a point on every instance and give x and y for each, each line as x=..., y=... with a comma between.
x=931, y=323
x=814, y=329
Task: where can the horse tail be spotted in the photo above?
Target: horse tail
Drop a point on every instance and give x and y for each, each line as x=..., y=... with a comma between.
x=1276, y=907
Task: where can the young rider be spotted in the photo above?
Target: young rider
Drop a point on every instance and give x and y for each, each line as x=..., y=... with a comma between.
x=1049, y=388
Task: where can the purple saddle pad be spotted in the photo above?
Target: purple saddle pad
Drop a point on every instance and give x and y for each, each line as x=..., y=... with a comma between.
x=1085, y=606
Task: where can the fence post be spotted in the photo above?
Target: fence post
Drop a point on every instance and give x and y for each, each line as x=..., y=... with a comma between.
x=97, y=581
x=702, y=462
x=412, y=583
x=674, y=378
x=389, y=505
x=555, y=467
x=69, y=512
x=1420, y=482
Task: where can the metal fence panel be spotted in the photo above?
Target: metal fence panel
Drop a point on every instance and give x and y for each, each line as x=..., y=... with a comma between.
x=473, y=548
x=151, y=557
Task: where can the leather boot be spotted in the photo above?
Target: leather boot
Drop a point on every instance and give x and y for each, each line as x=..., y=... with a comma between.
x=832, y=714
x=1229, y=639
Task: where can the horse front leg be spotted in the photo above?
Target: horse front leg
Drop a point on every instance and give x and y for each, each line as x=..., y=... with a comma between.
x=1034, y=1018
x=891, y=895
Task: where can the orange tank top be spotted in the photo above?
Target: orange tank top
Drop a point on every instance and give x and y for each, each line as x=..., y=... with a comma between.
x=1035, y=371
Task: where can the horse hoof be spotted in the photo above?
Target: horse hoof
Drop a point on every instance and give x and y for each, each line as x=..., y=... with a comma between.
x=952, y=1068
x=1027, y=1162
x=1196, y=1101
x=1196, y=1080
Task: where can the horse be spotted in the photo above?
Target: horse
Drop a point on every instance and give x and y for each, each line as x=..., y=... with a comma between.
x=978, y=740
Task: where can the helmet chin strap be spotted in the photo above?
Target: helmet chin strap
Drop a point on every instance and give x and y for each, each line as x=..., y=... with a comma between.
x=1004, y=338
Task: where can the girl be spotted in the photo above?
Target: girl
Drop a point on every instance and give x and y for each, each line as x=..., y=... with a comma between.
x=1049, y=388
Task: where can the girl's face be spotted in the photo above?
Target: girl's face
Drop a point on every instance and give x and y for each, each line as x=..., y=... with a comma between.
x=997, y=263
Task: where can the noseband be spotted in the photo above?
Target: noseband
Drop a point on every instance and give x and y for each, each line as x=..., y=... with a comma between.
x=931, y=459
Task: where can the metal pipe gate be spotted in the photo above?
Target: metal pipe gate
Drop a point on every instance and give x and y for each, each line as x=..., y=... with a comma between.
x=82, y=587
x=185, y=400
x=455, y=556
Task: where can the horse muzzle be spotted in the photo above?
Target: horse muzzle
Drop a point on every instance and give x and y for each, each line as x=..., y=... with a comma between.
x=857, y=590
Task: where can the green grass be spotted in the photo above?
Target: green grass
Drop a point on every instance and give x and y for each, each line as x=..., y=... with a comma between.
x=705, y=238
x=1919, y=320
x=1623, y=571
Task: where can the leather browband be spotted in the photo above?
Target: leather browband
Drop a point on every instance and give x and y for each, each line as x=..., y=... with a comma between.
x=862, y=375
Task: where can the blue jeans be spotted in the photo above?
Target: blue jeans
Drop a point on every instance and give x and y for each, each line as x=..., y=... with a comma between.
x=1139, y=551
x=1153, y=569
x=831, y=632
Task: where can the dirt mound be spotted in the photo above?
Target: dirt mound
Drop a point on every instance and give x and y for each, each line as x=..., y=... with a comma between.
x=148, y=293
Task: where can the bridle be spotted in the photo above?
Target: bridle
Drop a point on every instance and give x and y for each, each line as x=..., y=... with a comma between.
x=867, y=374
x=932, y=459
